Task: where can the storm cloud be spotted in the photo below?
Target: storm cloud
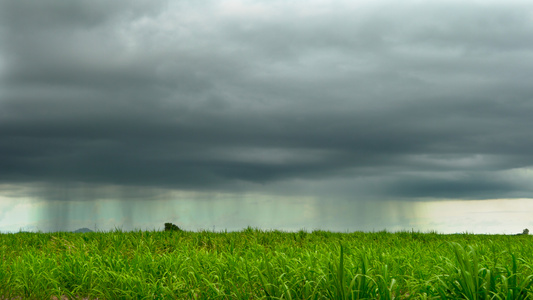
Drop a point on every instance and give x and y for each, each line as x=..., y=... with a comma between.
x=364, y=100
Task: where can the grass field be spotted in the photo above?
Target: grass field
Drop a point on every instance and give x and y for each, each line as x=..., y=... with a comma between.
x=254, y=264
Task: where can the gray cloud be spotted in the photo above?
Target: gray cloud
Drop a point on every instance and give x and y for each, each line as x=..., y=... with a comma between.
x=254, y=96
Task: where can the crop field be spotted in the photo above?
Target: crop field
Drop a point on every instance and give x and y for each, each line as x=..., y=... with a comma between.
x=255, y=264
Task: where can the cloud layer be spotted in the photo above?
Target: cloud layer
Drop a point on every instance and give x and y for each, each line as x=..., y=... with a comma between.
x=373, y=100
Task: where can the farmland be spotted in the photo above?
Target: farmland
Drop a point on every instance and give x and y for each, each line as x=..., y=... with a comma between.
x=255, y=264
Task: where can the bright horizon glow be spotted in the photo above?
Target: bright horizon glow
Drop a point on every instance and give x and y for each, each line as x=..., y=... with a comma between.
x=495, y=216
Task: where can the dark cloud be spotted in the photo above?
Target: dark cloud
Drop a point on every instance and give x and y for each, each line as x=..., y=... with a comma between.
x=464, y=185
x=234, y=96
x=53, y=15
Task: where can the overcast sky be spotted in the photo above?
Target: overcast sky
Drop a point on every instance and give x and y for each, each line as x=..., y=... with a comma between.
x=344, y=108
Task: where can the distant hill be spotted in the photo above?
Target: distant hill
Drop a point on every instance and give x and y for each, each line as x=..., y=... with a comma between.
x=82, y=230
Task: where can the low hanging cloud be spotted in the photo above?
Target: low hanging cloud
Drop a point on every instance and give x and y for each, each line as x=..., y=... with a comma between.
x=368, y=100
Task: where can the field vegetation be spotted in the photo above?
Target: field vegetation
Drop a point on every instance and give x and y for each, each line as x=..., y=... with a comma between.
x=255, y=264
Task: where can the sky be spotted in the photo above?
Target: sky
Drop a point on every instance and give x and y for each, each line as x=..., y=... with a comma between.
x=218, y=115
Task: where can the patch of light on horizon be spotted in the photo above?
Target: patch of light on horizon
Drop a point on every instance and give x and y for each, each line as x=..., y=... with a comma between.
x=495, y=216
x=16, y=213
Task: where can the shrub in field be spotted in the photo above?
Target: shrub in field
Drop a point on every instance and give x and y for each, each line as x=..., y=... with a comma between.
x=525, y=232
x=171, y=227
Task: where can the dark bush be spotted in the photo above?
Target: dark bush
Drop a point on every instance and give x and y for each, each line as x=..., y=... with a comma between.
x=171, y=227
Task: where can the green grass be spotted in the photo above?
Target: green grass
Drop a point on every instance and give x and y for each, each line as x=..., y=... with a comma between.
x=254, y=264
